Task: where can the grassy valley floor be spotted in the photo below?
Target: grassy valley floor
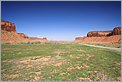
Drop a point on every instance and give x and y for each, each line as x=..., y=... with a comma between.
x=58, y=61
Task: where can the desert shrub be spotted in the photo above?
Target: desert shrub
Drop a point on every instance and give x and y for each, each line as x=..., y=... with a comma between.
x=7, y=43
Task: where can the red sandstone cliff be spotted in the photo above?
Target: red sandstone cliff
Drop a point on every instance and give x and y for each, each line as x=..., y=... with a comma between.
x=9, y=34
x=99, y=33
x=7, y=26
x=117, y=31
x=106, y=37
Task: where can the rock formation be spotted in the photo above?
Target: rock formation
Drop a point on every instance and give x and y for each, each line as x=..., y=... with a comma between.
x=7, y=26
x=106, y=37
x=78, y=38
x=9, y=34
x=12, y=37
x=117, y=31
x=99, y=33
x=33, y=39
x=23, y=35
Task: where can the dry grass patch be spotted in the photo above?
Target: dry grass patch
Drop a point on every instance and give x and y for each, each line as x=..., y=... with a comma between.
x=10, y=76
x=32, y=66
x=58, y=64
x=38, y=61
x=84, y=79
x=59, y=52
x=88, y=56
x=83, y=66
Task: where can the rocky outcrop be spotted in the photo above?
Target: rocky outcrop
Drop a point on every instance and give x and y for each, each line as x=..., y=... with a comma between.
x=78, y=38
x=23, y=35
x=9, y=34
x=7, y=26
x=99, y=33
x=107, y=37
x=117, y=31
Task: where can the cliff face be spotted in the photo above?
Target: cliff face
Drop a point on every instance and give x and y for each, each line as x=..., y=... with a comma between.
x=7, y=26
x=117, y=31
x=99, y=33
x=107, y=37
x=9, y=34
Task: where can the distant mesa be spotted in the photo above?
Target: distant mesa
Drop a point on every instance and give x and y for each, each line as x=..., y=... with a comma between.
x=106, y=37
x=99, y=33
x=23, y=35
x=115, y=31
x=33, y=39
x=9, y=34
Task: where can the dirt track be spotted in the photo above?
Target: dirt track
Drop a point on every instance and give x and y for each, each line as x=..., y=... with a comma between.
x=111, y=48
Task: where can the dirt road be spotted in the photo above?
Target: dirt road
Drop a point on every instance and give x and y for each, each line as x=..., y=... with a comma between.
x=111, y=48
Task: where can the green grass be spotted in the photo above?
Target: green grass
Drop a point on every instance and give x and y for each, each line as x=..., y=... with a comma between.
x=58, y=61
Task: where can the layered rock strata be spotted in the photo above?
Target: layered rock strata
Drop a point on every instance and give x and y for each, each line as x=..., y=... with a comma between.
x=7, y=26
x=102, y=37
x=9, y=34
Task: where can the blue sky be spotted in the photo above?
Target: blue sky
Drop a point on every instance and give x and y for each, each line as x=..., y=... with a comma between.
x=61, y=20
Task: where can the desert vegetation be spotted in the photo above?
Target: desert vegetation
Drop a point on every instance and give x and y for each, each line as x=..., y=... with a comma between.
x=61, y=41
x=58, y=61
